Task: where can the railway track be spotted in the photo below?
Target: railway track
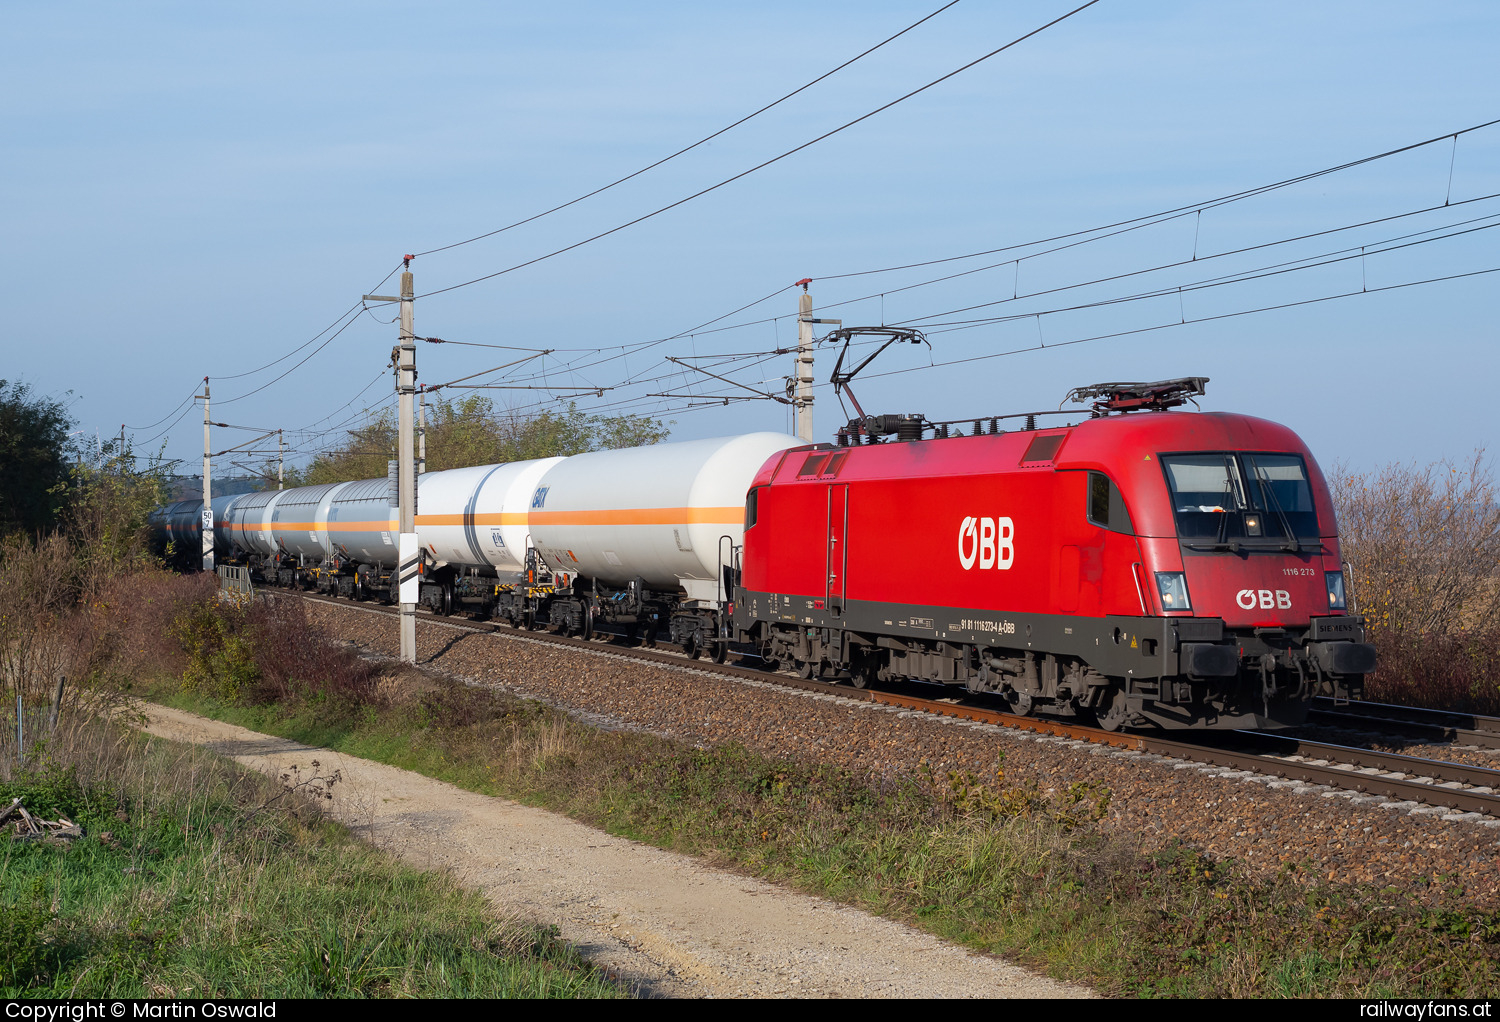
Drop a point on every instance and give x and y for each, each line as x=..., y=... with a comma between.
x=1439, y=784
x=1409, y=722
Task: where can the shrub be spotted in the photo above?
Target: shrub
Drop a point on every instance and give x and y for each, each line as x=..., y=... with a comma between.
x=1423, y=545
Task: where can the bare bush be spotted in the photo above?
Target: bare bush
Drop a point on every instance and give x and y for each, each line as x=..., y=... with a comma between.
x=1424, y=543
x=293, y=658
x=35, y=597
x=51, y=647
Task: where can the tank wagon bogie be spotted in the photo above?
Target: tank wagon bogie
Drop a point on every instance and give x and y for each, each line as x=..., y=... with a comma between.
x=1159, y=568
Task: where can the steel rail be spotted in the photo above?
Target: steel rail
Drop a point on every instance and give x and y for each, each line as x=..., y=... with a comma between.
x=1410, y=722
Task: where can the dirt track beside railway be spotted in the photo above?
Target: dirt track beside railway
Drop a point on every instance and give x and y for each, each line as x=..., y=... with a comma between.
x=1268, y=824
x=665, y=923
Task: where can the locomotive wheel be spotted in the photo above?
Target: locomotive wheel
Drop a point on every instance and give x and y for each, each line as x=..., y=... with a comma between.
x=804, y=669
x=860, y=675
x=1112, y=713
x=1023, y=705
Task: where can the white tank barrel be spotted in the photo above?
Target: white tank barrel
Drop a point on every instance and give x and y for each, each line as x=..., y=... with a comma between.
x=477, y=517
x=668, y=514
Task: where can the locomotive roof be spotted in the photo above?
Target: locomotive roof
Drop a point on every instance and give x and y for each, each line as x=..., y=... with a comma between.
x=1126, y=447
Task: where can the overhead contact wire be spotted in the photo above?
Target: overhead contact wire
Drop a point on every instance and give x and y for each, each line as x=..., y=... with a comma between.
x=760, y=166
x=695, y=145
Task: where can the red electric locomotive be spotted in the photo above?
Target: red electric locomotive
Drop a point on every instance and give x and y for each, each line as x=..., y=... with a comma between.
x=1146, y=566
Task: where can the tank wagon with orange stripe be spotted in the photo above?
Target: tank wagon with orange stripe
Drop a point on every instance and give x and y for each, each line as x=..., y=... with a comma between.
x=635, y=539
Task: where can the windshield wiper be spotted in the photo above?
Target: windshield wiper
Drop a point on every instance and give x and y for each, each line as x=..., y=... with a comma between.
x=1286, y=526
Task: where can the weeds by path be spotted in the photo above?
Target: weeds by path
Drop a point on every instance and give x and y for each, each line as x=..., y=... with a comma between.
x=197, y=879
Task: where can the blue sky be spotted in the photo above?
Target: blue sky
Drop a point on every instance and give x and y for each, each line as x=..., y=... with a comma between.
x=196, y=190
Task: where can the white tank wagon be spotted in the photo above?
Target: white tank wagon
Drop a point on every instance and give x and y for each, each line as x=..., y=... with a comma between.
x=637, y=538
x=645, y=533
x=472, y=524
x=298, y=524
x=476, y=518
x=244, y=523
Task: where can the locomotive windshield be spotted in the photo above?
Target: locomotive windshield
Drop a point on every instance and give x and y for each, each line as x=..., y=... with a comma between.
x=1241, y=496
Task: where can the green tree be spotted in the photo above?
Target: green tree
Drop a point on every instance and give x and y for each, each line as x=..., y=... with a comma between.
x=33, y=459
x=471, y=431
x=108, y=501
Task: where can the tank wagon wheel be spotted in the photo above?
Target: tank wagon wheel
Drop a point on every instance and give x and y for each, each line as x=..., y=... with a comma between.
x=692, y=647
x=1112, y=713
x=721, y=651
x=447, y=610
x=529, y=621
x=586, y=631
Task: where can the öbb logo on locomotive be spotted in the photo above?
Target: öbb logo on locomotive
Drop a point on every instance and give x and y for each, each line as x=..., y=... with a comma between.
x=1266, y=599
x=991, y=542
x=1149, y=534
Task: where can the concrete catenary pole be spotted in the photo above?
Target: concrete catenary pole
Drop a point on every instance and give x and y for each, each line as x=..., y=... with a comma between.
x=408, y=555
x=208, y=508
x=802, y=401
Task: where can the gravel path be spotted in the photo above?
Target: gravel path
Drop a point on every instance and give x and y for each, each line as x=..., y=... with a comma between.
x=666, y=923
x=1259, y=820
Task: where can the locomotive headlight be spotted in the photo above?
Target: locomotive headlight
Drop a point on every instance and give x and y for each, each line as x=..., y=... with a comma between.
x=1335, y=589
x=1172, y=585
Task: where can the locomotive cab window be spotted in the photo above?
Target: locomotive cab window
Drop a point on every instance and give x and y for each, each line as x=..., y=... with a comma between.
x=752, y=507
x=1241, y=496
x=1106, y=506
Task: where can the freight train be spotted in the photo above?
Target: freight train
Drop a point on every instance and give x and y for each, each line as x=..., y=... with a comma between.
x=1144, y=567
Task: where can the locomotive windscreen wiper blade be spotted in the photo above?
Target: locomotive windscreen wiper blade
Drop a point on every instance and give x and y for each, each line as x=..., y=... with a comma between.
x=1236, y=546
x=1291, y=544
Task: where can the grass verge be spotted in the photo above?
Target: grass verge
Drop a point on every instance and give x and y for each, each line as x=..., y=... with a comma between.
x=976, y=860
x=198, y=879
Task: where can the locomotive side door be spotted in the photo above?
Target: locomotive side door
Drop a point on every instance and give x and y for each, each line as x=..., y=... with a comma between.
x=838, y=558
